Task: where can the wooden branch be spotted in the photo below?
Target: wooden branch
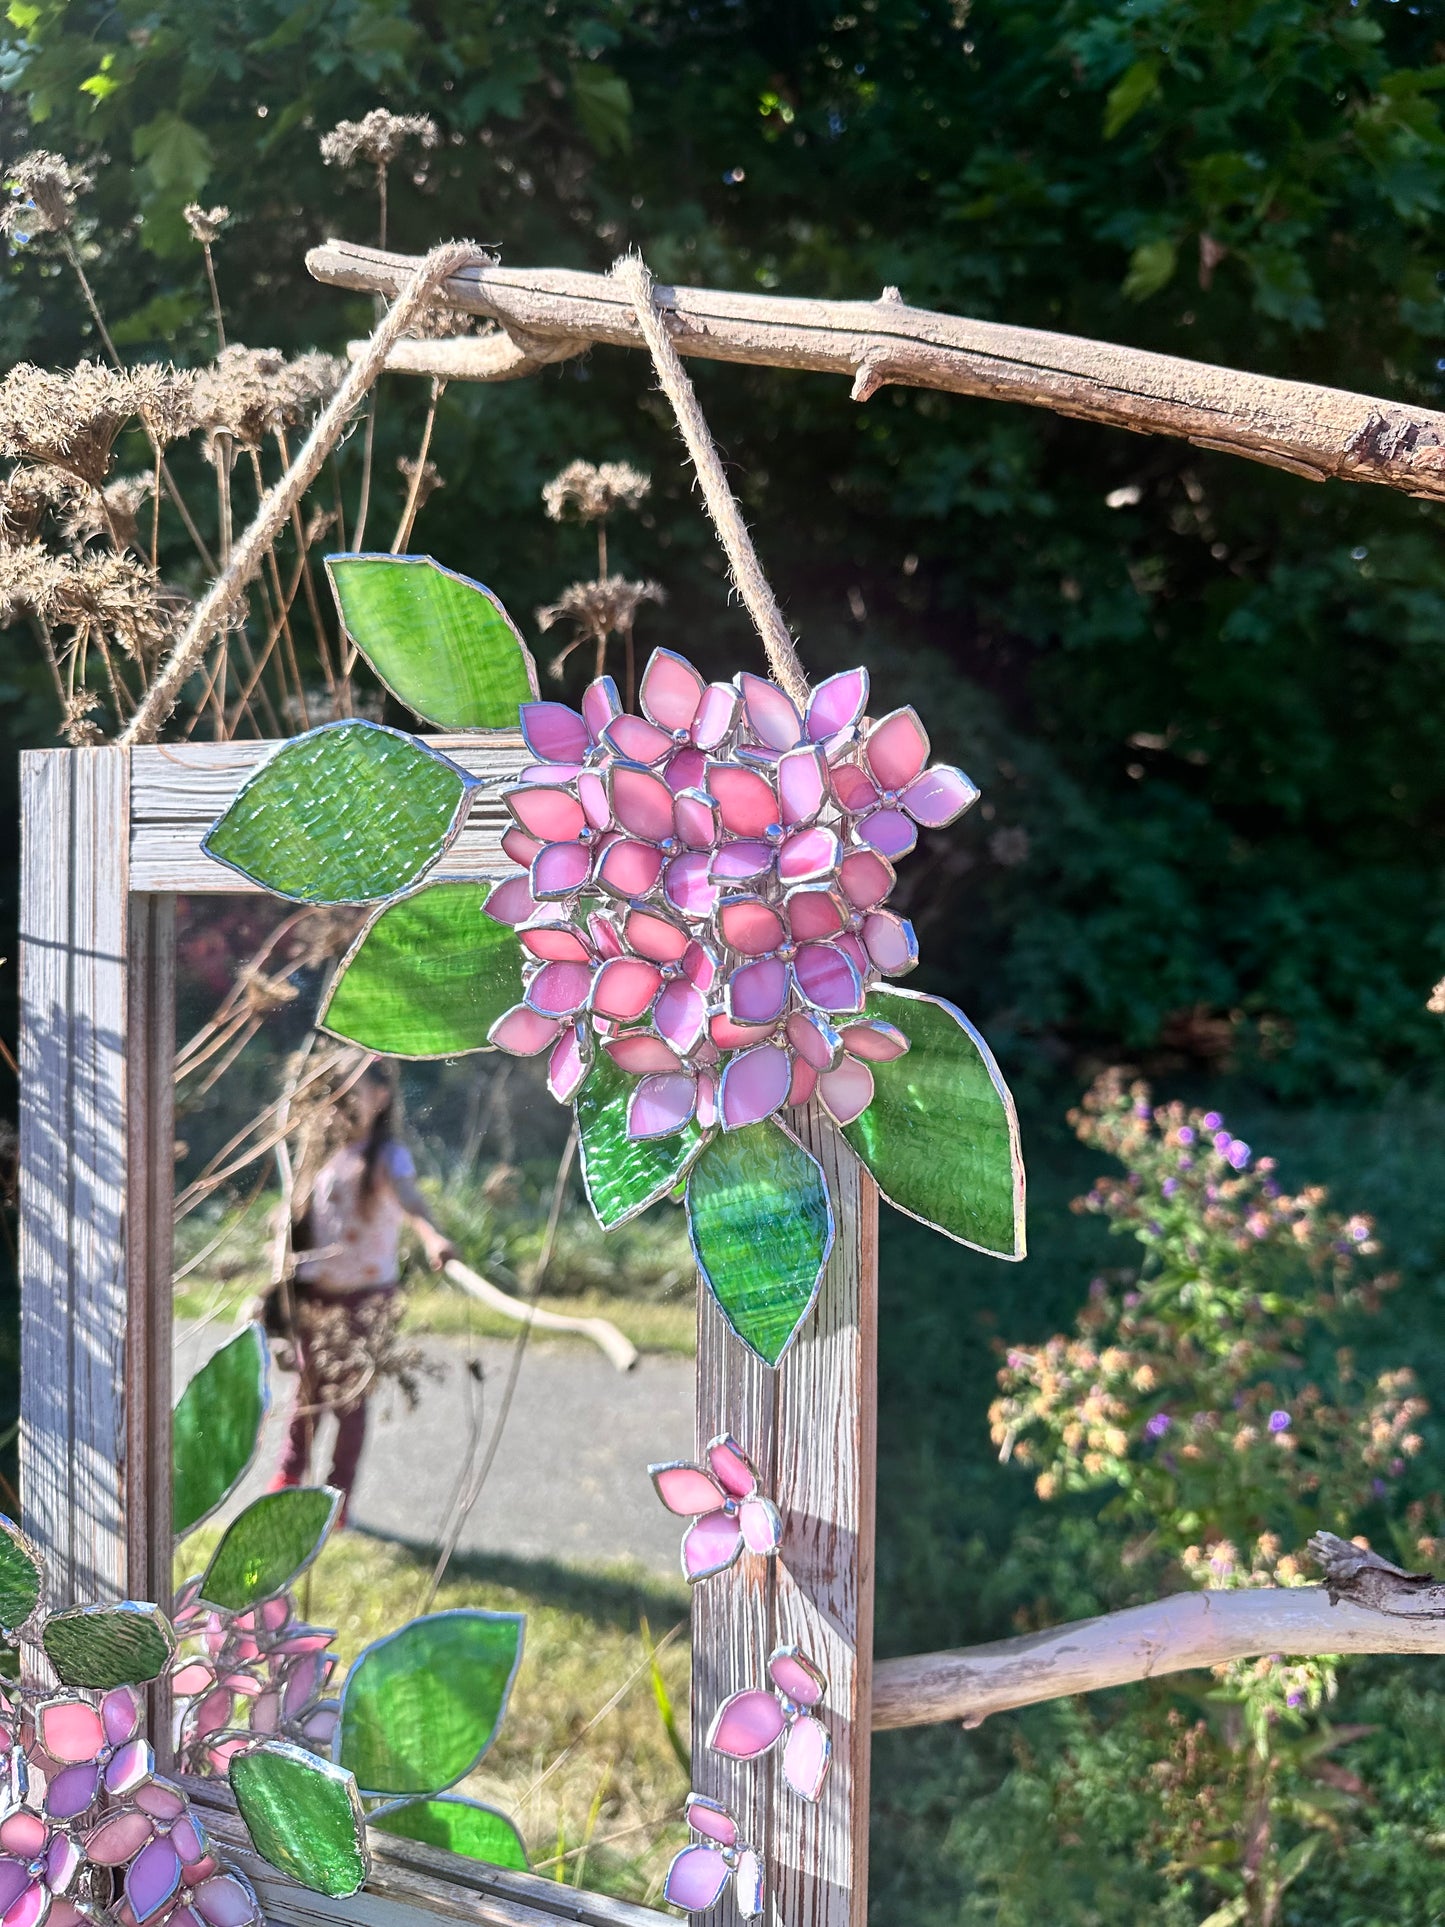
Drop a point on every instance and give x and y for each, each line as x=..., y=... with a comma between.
x=1311, y=431
x=1366, y=1605
x=615, y=1346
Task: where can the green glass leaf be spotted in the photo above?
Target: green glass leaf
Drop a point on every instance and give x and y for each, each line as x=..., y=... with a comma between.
x=22, y=1576
x=455, y=1825
x=761, y=1225
x=427, y=977
x=941, y=1136
x=345, y=814
x=268, y=1546
x=625, y=1175
x=421, y=1706
x=216, y=1427
x=442, y=644
x=303, y=1815
x=104, y=1646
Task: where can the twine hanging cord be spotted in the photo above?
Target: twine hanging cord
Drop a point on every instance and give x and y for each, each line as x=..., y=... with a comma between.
x=631, y=274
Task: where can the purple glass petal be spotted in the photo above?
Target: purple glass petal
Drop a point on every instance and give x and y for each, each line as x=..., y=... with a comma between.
x=687, y=886
x=847, y=1091
x=712, y=1821
x=754, y=1084
x=152, y=1879
x=700, y=965
x=553, y=732
x=896, y=749
x=695, y=1879
x=600, y=704
x=747, y=1725
x=637, y=740
x=561, y=989
x=662, y=1104
x=827, y=977
x=938, y=796
x=129, y=1766
x=745, y=799
x=624, y=988
x=511, y=902
x=741, y=861
x=556, y=943
x=749, y=925
x=567, y=1068
x=807, y=856
x=732, y=1468
x=866, y=878
x=521, y=1033
x=814, y=914
x=771, y=716
x=655, y=935
x=120, y=1715
x=890, y=832
x=687, y=1490
x=551, y=815
x=72, y=1790
x=761, y=1523
x=62, y=1862
x=875, y=1041
x=670, y=691
x=716, y=714
x=629, y=869
x=14, y=1879
x=558, y=870
x=710, y=1545
x=748, y=1885
x=696, y=817
x=890, y=942
x=794, y=1674
x=641, y=803
x=679, y=1014
x=807, y=1752
x=685, y=769
x=757, y=992
x=837, y=704
x=641, y=1054
x=802, y=784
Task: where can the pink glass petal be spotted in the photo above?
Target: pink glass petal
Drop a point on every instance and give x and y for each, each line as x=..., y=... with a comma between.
x=685, y=769
x=129, y=1766
x=815, y=1040
x=559, y=869
x=802, y=785
x=827, y=978
x=561, y=989
x=890, y=942
x=551, y=815
x=706, y=1101
x=696, y=817
x=711, y=1821
x=567, y=1068
x=853, y=950
x=716, y=714
x=710, y=1545
x=748, y=1885
x=938, y=796
x=687, y=1490
x=874, y=1041
x=160, y=1799
x=751, y=926
x=896, y=749
x=695, y=1879
x=224, y=1902
x=847, y=1091
x=687, y=886
x=188, y=1841
x=520, y=847
x=745, y=799
x=795, y=1675
x=118, y=1838
x=890, y=832
x=194, y=1677
x=556, y=943
x=24, y=1834
x=670, y=690
x=679, y=1014
x=65, y=1913
x=661, y=1105
x=814, y=914
x=553, y=732
x=592, y=795
x=754, y=1084
x=866, y=878
x=730, y=1036
x=762, y=1525
x=741, y=861
x=771, y=716
x=70, y=1731
x=852, y=786
x=804, y=1082
x=641, y=1054
x=637, y=740
x=600, y=704
x=641, y=803
x=522, y=1033
x=511, y=902
x=120, y=1715
x=72, y=1790
x=757, y=992
x=606, y=940
x=30, y=1909
x=550, y=774
x=837, y=704
x=807, y=1752
x=700, y=965
x=808, y=855
x=62, y=1863
x=153, y=1877
x=732, y=1468
x=654, y=935
x=624, y=989
x=747, y=1725
x=629, y=869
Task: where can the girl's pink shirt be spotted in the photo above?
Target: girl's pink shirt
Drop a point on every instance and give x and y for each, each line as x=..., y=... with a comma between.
x=360, y=1244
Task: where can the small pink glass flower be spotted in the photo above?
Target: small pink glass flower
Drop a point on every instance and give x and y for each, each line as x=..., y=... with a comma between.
x=85, y=1750
x=697, y=1876
x=750, y=1723
x=161, y=1845
x=37, y=1864
x=891, y=790
x=241, y=1675
x=726, y=1507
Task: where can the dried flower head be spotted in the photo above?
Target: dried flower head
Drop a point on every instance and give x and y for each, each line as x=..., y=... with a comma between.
x=72, y=418
x=431, y=478
x=43, y=192
x=30, y=581
x=249, y=393
x=114, y=512
x=27, y=495
x=589, y=491
x=76, y=725
x=378, y=138
x=206, y=222
x=120, y=597
x=1437, y=999
x=606, y=607
x=438, y=323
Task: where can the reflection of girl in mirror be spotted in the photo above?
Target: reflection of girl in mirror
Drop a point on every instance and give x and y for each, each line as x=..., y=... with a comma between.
x=346, y=1232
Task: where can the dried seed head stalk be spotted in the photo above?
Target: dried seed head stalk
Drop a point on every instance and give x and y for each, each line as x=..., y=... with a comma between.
x=206, y=222
x=590, y=491
x=115, y=512
x=120, y=597
x=43, y=192
x=606, y=607
x=377, y=138
x=431, y=478
x=71, y=419
x=30, y=581
x=249, y=393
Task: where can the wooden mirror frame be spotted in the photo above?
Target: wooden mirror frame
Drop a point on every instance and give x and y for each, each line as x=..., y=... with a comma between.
x=110, y=836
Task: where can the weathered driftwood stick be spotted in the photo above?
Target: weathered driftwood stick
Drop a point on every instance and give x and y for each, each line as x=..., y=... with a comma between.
x=550, y=313
x=1366, y=1605
x=616, y=1346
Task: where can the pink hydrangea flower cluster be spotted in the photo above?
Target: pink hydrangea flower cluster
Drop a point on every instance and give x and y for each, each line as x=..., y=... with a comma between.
x=246, y=1676
x=742, y=854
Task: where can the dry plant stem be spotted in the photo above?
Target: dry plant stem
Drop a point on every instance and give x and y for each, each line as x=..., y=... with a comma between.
x=751, y=584
x=281, y=600
x=250, y=552
x=551, y=312
x=408, y=514
x=215, y=298
x=368, y=453
x=313, y=604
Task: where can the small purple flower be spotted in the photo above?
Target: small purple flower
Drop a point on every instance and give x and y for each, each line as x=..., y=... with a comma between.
x=1143, y=1111
x=1238, y=1154
x=1169, y=1187
x=1158, y=1425
x=1156, y=1228
x=1359, y=1232
x=1212, y=1120
x=1222, y=1142
x=1379, y=1488
x=1184, y=1135
x=1279, y=1421
x=1294, y=1699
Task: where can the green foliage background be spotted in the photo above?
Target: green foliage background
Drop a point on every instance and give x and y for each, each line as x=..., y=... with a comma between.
x=1208, y=721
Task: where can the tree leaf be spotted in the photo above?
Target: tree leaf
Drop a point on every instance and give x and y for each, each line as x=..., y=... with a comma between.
x=441, y=643
x=101, y=1647
x=348, y=813
x=22, y=1576
x=761, y=1225
x=1135, y=88
x=604, y=107
x=427, y=977
x=457, y=1826
x=268, y=1546
x=216, y=1427
x=421, y=1706
x=941, y=1136
x=303, y=1815
x=623, y=1175
x=1151, y=267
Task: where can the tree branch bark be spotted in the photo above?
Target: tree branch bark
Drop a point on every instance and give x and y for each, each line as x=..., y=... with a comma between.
x=551, y=313
x=1366, y=1605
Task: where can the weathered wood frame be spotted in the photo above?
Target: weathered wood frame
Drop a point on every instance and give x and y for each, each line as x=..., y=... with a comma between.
x=110, y=837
